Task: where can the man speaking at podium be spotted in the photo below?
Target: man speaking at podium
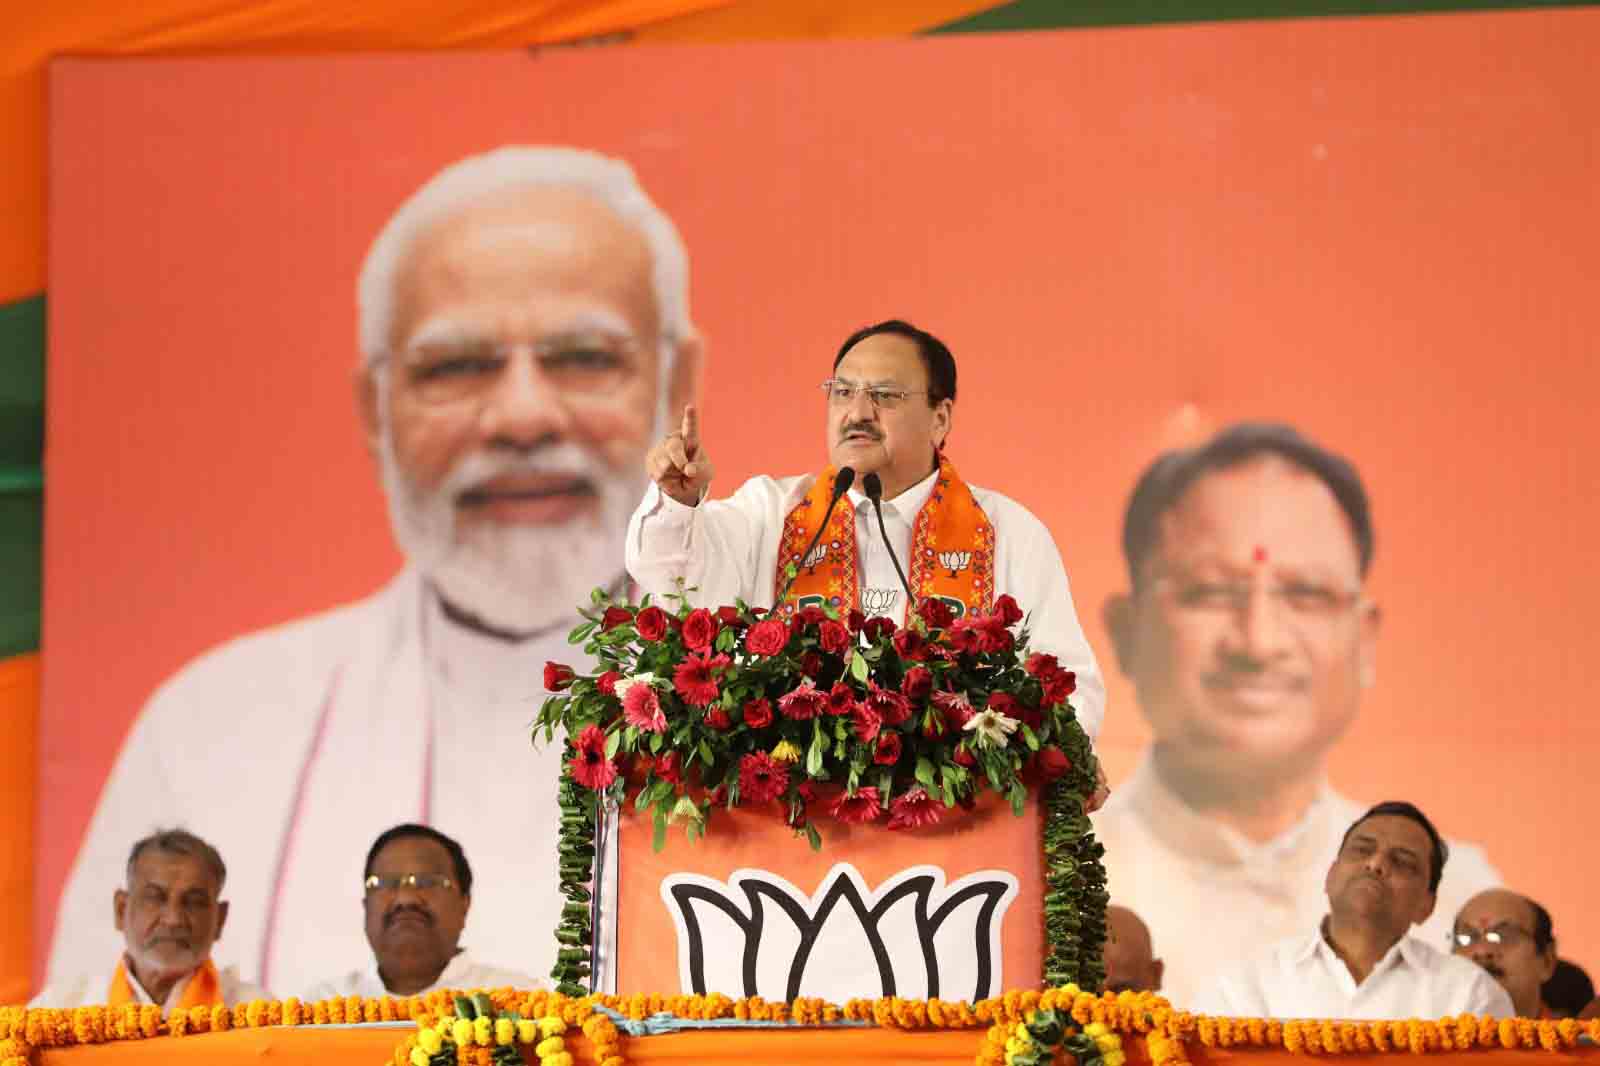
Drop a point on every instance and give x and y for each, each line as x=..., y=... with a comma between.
x=889, y=407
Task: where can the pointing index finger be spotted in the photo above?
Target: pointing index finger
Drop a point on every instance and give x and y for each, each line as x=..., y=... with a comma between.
x=690, y=430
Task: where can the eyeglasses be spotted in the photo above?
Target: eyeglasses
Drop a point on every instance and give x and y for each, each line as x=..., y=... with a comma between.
x=1300, y=599
x=394, y=882
x=446, y=372
x=1501, y=936
x=883, y=397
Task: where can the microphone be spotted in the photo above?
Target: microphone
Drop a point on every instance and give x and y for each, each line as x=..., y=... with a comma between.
x=841, y=485
x=873, y=487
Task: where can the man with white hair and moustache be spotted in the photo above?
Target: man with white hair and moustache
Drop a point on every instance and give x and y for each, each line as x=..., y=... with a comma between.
x=524, y=324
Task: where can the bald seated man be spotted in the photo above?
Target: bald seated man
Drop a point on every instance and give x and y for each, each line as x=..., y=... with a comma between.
x=1131, y=965
x=1512, y=938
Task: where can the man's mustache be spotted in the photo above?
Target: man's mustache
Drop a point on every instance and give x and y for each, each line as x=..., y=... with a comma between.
x=394, y=914
x=869, y=428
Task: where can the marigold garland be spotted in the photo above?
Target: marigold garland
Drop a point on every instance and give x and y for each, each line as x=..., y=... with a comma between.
x=1102, y=1020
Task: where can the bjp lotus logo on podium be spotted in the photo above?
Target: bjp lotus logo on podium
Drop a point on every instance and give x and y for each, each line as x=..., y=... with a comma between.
x=879, y=601
x=936, y=770
x=955, y=562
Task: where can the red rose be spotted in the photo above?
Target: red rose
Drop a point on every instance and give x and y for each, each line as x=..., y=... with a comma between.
x=1040, y=665
x=669, y=767
x=651, y=623
x=766, y=637
x=840, y=698
x=758, y=714
x=963, y=757
x=917, y=683
x=717, y=718
x=607, y=682
x=1061, y=685
x=1052, y=762
x=833, y=637
x=1006, y=607
x=557, y=677
x=812, y=616
x=728, y=615
x=879, y=626
x=811, y=664
x=888, y=750
x=993, y=636
x=935, y=613
x=614, y=617
x=908, y=644
x=962, y=637
x=856, y=620
x=1002, y=702
x=699, y=630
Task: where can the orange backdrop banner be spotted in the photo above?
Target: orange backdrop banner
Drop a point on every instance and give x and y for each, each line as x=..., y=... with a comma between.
x=1371, y=229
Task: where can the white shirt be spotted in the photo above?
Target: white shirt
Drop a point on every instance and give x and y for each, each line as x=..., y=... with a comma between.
x=463, y=974
x=292, y=748
x=728, y=549
x=1302, y=978
x=1198, y=883
x=95, y=990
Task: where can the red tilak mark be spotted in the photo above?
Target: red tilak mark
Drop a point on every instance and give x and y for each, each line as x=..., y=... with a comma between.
x=1260, y=554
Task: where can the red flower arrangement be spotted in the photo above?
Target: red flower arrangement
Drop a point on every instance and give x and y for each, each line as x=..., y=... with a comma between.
x=852, y=717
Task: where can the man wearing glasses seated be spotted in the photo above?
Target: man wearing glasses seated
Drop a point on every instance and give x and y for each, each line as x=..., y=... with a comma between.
x=1362, y=961
x=418, y=891
x=888, y=409
x=1512, y=938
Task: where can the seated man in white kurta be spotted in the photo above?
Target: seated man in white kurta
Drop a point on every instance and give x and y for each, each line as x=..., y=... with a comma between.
x=1362, y=961
x=524, y=326
x=415, y=898
x=170, y=914
x=888, y=410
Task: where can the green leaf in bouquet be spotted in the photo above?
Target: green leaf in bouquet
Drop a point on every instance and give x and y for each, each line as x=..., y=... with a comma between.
x=813, y=837
x=658, y=839
x=705, y=753
x=656, y=740
x=726, y=640
x=613, y=742
x=885, y=784
x=853, y=780
x=925, y=773
x=1018, y=796
x=858, y=667
x=630, y=737
x=818, y=748
x=1029, y=738
x=948, y=792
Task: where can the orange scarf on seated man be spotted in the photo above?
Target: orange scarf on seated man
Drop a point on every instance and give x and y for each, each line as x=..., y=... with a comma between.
x=203, y=990
x=952, y=550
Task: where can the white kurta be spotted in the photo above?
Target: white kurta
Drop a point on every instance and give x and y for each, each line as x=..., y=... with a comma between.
x=1197, y=883
x=464, y=974
x=1302, y=977
x=95, y=990
x=291, y=749
x=728, y=549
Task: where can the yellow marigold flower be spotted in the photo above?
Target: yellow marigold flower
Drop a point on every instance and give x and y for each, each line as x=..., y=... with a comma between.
x=560, y=1058
x=483, y=1031
x=1095, y=1029
x=1115, y=1058
x=549, y=1046
x=428, y=1040
x=419, y=1057
x=461, y=1031
x=552, y=1026
x=528, y=1031
x=505, y=1032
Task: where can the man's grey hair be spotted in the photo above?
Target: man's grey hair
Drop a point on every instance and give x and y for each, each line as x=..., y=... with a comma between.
x=180, y=842
x=461, y=184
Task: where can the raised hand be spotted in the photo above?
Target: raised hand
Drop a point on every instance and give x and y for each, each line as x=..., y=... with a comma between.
x=679, y=464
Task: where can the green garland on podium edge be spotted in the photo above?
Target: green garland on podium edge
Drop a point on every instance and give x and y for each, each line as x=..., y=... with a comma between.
x=1074, y=895
x=575, y=856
